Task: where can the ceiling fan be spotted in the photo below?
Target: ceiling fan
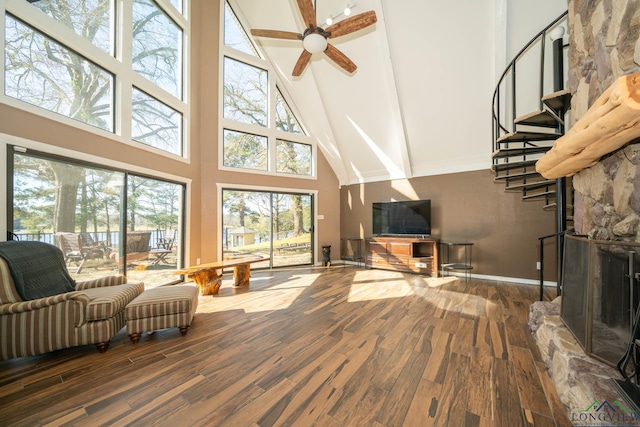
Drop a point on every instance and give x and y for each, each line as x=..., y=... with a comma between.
x=314, y=38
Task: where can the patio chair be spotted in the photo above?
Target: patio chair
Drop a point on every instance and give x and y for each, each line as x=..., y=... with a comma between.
x=137, y=248
x=89, y=241
x=165, y=247
x=74, y=249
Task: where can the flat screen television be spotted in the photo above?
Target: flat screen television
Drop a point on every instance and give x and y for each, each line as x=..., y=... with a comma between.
x=397, y=218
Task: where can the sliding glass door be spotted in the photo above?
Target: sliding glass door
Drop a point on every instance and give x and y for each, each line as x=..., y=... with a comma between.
x=105, y=221
x=272, y=224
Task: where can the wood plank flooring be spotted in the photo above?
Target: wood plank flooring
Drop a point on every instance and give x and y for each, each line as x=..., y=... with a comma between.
x=341, y=346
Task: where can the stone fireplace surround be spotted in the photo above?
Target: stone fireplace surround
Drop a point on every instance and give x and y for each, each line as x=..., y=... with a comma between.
x=579, y=379
x=604, y=38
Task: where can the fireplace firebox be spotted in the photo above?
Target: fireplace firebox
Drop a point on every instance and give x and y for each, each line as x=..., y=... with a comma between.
x=600, y=294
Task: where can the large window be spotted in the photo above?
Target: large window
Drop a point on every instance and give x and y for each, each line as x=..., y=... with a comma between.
x=157, y=41
x=243, y=150
x=105, y=221
x=245, y=93
x=121, y=73
x=293, y=158
x=42, y=72
x=154, y=123
x=260, y=130
x=92, y=20
x=267, y=223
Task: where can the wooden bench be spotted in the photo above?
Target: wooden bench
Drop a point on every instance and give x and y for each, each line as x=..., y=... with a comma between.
x=208, y=277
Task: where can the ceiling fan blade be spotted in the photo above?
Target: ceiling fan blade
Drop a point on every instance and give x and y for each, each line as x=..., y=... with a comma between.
x=276, y=34
x=340, y=58
x=304, y=59
x=352, y=24
x=308, y=14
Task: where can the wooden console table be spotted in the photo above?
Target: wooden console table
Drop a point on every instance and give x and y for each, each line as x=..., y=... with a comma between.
x=208, y=277
x=411, y=254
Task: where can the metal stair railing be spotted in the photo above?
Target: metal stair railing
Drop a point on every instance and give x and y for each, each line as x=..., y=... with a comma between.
x=499, y=116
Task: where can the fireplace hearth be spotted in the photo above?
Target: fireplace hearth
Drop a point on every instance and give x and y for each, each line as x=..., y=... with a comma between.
x=578, y=378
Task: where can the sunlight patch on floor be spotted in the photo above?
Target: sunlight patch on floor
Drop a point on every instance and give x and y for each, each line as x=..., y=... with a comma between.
x=365, y=289
x=276, y=299
x=260, y=297
x=298, y=281
x=434, y=282
x=370, y=285
x=463, y=303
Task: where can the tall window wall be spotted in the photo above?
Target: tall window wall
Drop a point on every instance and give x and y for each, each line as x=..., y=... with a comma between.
x=113, y=67
x=105, y=221
x=259, y=131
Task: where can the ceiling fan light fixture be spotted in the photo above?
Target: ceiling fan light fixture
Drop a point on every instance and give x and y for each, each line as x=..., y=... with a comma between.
x=315, y=43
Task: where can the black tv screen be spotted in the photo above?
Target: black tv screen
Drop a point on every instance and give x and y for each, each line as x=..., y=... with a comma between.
x=409, y=217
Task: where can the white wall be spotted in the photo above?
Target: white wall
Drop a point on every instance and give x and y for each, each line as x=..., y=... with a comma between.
x=518, y=22
x=525, y=18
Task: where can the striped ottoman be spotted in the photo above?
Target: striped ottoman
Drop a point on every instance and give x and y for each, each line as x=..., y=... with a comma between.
x=161, y=308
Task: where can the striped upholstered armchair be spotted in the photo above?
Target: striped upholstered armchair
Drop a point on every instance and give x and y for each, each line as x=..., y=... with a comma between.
x=42, y=309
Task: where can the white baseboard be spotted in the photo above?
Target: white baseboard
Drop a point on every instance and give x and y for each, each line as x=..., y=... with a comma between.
x=503, y=279
x=519, y=280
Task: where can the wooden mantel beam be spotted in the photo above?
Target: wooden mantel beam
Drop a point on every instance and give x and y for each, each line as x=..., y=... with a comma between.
x=611, y=122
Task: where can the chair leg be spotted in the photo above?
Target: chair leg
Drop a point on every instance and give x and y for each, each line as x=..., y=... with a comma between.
x=184, y=330
x=79, y=269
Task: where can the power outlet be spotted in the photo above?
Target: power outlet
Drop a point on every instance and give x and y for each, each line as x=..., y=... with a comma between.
x=197, y=261
x=538, y=265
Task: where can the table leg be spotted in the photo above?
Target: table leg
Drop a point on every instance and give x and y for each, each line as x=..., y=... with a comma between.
x=241, y=274
x=208, y=281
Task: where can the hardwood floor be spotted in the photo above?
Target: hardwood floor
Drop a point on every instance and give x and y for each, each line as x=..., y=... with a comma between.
x=312, y=346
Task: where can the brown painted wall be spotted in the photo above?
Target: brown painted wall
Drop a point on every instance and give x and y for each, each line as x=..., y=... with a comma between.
x=467, y=207
x=202, y=169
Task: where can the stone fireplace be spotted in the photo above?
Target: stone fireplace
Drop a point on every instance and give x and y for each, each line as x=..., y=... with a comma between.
x=604, y=37
x=604, y=45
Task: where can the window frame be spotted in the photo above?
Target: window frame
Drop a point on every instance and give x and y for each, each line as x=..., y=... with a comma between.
x=119, y=65
x=274, y=85
x=10, y=144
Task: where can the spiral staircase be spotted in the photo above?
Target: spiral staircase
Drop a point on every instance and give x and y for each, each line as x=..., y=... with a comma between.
x=528, y=117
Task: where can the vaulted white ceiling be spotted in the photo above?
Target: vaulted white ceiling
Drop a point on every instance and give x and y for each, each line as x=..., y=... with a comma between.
x=420, y=101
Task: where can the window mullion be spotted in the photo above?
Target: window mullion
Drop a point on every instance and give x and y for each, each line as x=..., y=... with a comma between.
x=271, y=98
x=124, y=80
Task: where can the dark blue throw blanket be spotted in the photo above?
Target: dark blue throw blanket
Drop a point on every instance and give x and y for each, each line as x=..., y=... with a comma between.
x=38, y=269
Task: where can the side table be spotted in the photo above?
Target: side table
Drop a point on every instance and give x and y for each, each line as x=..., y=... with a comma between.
x=351, y=250
x=457, y=256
